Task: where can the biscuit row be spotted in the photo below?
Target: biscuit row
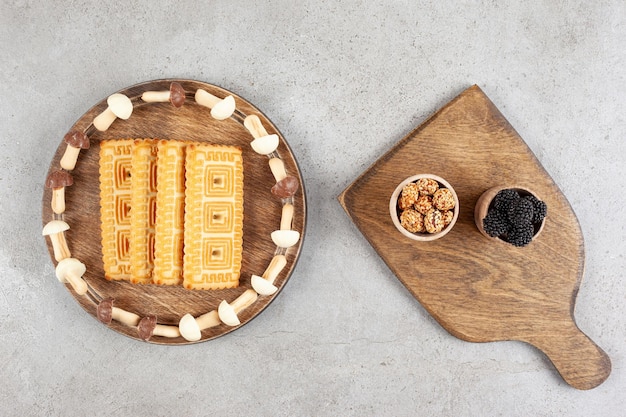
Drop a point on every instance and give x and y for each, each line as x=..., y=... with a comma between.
x=172, y=212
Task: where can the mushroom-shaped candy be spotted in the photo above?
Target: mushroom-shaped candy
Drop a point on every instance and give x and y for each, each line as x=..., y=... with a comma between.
x=148, y=327
x=75, y=140
x=263, y=142
x=220, y=108
x=119, y=106
x=264, y=285
x=190, y=327
x=71, y=270
x=175, y=95
x=54, y=229
x=107, y=312
x=228, y=312
x=285, y=237
x=57, y=181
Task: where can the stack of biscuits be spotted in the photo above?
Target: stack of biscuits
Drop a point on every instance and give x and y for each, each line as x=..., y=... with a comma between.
x=171, y=212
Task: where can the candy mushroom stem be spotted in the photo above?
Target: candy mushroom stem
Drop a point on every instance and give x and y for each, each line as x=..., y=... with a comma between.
x=107, y=312
x=119, y=106
x=264, y=285
x=148, y=327
x=54, y=229
x=191, y=328
x=71, y=270
x=57, y=181
x=175, y=95
x=220, y=108
x=277, y=166
x=228, y=312
x=75, y=140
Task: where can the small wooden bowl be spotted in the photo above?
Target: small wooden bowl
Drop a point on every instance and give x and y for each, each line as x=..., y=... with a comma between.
x=423, y=237
x=484, y=203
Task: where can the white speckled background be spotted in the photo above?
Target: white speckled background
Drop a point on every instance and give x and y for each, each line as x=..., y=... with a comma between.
x=343, y=81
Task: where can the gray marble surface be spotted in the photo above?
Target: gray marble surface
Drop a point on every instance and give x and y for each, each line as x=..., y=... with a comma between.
x=343, y=81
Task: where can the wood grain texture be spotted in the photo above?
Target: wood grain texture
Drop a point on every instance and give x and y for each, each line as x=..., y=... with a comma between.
x=478, y=289
x=262, y=211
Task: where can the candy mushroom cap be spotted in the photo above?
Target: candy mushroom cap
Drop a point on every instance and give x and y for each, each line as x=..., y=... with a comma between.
x=262, y=286
x=189, y=328
x=286, y=187
x=146, y=327
x=285, y=238
x=54, y=226
x=76, y=139
x=265, y=145
x=104, y=311
x=224, y=109
x=177, y=94
x=120, y=105
x=59, y=179
x=227, y=314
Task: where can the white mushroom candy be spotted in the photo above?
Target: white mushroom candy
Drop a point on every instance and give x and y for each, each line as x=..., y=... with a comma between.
x=285, y=237
x=228, y=312
x=119, y=106
x=264, y=285
x=264, y=143
x=220, y=108
x=54, y=229
x=191, y=328
x=277, y=166
x=71, y=270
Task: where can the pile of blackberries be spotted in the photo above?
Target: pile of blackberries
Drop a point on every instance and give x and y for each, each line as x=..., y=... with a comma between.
x=512, y=217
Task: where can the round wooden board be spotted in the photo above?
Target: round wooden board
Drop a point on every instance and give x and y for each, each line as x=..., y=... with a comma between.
x=262, y=211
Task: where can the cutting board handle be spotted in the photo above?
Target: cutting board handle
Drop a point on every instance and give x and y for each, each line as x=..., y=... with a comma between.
x=581, y=363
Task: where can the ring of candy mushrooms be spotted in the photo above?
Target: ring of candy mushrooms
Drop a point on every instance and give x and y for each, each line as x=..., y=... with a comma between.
x=57, y=181
x=148, y=327
x=228, y=312
x=221, y=109
x=264, y=285
x=119, y=106
x=75, y=140
x=71, y=270
x=54, y=229
x=175, y=95
x=107, y=312
x=191, y=328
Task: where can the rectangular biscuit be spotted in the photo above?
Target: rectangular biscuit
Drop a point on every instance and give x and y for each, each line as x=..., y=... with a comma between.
x=170, y=209
x=213, y=217
x=143, y=182
x=115, y=204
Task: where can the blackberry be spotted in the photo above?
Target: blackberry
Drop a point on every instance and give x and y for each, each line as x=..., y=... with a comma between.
x=495, y=223
x=540, y=208
x=520, y=212
x=521, y=235
x=503, y=200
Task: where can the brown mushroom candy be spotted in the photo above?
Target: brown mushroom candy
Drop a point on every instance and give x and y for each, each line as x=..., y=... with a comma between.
x=175, y=95
x=148, y=327
x=57, y=181
x=106, y=312
x=75, y=140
